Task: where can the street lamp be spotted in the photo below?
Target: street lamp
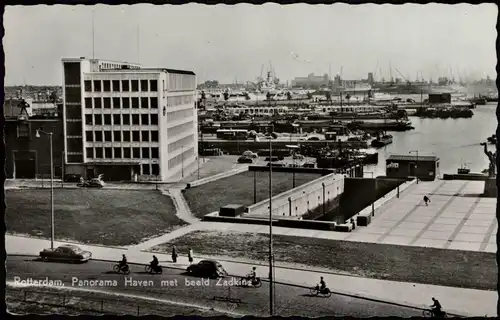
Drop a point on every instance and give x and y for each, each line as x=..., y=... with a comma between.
x=374, y=194
x=416, y=165
x=293, y=149
x=182, y=161
x=271, y=296
x=38, y=131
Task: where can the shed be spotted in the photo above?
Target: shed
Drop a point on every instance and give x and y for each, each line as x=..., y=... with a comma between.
x=424, y=167
x=231, y=210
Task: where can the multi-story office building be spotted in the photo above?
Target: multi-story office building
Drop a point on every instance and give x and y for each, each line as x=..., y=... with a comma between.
x=128, y=122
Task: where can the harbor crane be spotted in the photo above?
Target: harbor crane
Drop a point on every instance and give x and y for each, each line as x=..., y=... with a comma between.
x=407, y=81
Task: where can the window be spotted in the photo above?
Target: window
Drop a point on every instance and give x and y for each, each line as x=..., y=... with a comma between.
x=135, y=85
x=107, y=153
x=155, y=169
x=145, y=136
x=106, y=85
x=107, y=136
x=154, y=103
x=154, y=119
x=98, y=153
x=88, y=103
x=116, y=103
x=126, y=119
x=154, y=153
x=88, y=85
x=136, y=136
x=116, y=85
x=106, y=103
x=118, y=153
x=126, y=153
x=90, y=152
x=145, y=169
x=125, y=85
x=144, y=119
x=154, y=136
x=98, y=136
x=88, y=119
x=23, y=130
x=126, y=136
x=117, y=136
x=135, y=103
x=89, y=136
x=145, y=153
x=97, y=85
x=136, y=153
x=135, y=119
x=98, y=119
x=116, y=119
x=144, y=103
x=153, y=85
x=125, y=102
x=97, y=103
x=107, y=119
x=144, y=85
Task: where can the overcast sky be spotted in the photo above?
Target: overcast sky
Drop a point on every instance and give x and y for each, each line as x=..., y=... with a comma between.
x=229, y=43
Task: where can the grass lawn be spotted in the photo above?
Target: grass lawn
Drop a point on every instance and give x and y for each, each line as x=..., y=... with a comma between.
x=239, y=189
x=466, y=269
x=99, y=216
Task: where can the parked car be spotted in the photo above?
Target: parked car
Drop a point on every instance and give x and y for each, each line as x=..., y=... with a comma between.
x=276, y=164
x=309, y=165
x=92, y=183
x=250, y=154
x=245, y=159
x=71, y=177
x=67, y=253
x=207, y=268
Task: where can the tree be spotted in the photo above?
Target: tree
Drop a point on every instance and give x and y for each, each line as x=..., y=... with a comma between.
x=226, y=95
x=268, y=95
x=288, y=95
x=247, y=97
x=203, y=97
x=328, y=96
x=309, y=95
x=53, y=96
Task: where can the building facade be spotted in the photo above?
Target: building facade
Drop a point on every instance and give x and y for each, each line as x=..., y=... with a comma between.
x=402, y=166
x=128, y=122
x=311, y=80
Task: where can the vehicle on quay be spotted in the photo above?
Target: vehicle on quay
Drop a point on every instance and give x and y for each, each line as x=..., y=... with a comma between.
x=66, y=253
x=207, y=268
x=245, y=159
x=316, y=291
x=250, y=154
x=92, y=183
x=232, y=134
x=158, y=269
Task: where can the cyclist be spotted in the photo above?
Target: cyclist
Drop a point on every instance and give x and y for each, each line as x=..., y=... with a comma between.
x=322, y=285
x=123, y=262
x=436, y=308
x=154, y=263
x=253, y=274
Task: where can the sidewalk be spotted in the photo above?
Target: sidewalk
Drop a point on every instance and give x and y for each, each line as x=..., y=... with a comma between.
x=459, y=301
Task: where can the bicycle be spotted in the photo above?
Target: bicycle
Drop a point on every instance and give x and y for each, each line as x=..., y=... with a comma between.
x=315, y=291
x=428, y=313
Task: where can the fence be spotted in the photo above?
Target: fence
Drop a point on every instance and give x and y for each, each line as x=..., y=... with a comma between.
x=110, y=306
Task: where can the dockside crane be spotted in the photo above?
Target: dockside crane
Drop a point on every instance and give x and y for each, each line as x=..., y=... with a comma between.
x=407, y=81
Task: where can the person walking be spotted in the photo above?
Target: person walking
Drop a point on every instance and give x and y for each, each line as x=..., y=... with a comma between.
x=190, y=255
x=174, y=254
x=426, y=200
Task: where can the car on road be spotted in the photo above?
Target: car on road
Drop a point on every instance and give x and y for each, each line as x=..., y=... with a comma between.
x=207, y=268
x=66, y=253
x=245, y=159
x=250, y=154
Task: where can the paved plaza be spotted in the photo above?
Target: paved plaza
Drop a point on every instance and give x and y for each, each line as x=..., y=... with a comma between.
x=456, y=218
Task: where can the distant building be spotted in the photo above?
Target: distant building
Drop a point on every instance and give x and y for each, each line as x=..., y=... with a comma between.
x=311, y=80
x=402, y=166
x=128, y=122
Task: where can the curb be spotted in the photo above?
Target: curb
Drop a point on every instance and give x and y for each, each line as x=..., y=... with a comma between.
x=70, y=242
x=278, y=282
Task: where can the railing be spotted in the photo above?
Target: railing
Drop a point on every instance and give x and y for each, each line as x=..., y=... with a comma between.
x=81, y=303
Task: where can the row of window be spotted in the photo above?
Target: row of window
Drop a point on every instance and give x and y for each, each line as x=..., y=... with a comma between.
x=122, y=102
x=121, y=136
x=179, y=100
x=177, y=82
x=179, y=159
x=180, y=114
x=186, y=141
x=122, y=153
x=121, y=119
x=180, y=128
x=121, y=85
x=106, y=65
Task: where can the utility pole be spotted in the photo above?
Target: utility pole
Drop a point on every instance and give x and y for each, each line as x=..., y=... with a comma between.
x=93, y=35
x=271, y=289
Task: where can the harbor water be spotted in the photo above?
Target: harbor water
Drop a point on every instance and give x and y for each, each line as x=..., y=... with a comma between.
x=455, y=141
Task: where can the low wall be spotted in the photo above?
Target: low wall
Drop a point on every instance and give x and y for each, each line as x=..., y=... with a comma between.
x=216, y=177
x=388, y=197
x=302, y=199
x=469, y=176
x=292, y=169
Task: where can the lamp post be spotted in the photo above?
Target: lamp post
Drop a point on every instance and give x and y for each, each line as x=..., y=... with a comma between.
x=182, y=161
x=51, y=186
x=293, y=149
x=374, y=195
x=271, y=289
x=416, y=165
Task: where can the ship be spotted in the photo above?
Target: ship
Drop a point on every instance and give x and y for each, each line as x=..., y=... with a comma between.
x=382, y=141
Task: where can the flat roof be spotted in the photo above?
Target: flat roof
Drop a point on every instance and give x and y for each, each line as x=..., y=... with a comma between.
x=409, y=157
x=172, y=70
x=110, y=163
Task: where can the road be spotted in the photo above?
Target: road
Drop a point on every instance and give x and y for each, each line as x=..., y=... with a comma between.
x=289, y=300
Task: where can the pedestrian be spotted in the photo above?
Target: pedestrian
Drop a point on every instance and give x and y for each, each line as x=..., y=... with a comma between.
x=426, y=200
x=174, y=254
x=190, y=255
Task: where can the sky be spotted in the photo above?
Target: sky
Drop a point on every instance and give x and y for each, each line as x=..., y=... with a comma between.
x=233, y=43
